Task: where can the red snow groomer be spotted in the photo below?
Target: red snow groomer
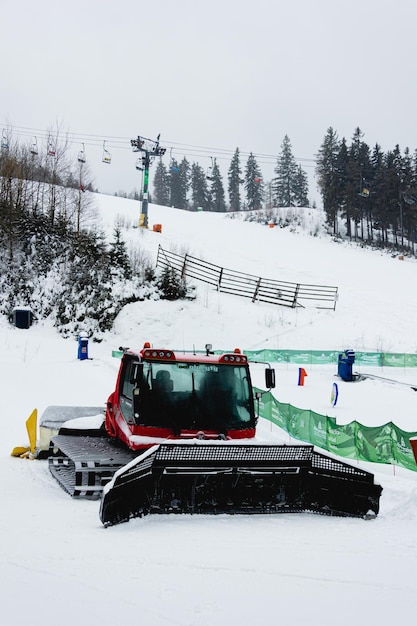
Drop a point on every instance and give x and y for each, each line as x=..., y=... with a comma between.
x=179, y=437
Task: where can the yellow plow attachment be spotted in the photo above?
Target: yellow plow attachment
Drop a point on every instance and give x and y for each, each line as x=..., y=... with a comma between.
x=31, y=426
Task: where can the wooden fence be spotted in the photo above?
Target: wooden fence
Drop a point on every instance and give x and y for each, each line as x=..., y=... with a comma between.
x=248, y=286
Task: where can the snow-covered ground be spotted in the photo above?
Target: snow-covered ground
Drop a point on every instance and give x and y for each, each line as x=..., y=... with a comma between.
x=57, y=561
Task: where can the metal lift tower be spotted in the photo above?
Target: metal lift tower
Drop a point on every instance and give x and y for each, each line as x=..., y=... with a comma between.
x=150, y=150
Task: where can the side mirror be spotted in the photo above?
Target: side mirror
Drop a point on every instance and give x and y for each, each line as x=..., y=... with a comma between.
x=270, y=378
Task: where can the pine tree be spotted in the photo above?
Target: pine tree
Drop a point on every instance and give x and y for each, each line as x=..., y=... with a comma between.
x=179, y=183
x=286, y=176
x=174, y=184
x=328, y=177
x=234, y=182
x=171, y=285
x=358, y=165
x=199, y=189
x=376, y=190
x=217, y=199
x=253, y=184
x=301, y=188
x=161, y=184
x=118, y=256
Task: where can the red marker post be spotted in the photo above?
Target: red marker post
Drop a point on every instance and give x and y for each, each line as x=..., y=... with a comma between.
x=301, y=375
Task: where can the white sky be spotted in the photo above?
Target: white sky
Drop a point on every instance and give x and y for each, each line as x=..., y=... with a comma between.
x=220, y=75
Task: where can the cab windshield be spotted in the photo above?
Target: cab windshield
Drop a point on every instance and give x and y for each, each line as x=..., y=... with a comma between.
x=195, y=396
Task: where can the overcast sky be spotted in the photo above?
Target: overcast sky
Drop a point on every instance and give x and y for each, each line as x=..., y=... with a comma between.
x=209, y=77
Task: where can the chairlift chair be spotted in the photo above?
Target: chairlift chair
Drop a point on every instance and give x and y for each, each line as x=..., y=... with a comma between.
x=51, y=148
x=34, y=147
x=364, y=189
x=81, y=155
x=4, y=142
x=209, y=174
x=106, y=157
x=172, y=168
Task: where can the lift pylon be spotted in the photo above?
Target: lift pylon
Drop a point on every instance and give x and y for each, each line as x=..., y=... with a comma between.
x=150, y=149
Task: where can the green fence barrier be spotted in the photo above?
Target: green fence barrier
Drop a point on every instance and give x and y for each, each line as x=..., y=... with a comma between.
x=375, y=444
x=320, y=357
x=323, y=357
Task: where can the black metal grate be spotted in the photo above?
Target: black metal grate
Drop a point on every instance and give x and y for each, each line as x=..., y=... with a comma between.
x=231, y=453
x=322, y=462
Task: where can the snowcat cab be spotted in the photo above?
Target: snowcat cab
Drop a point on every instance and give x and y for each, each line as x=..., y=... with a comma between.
x=163, y=395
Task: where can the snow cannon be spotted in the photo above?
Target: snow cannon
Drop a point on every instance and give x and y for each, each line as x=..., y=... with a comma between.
x=345, y=363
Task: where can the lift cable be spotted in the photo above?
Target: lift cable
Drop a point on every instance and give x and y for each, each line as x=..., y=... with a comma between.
x=116, y=142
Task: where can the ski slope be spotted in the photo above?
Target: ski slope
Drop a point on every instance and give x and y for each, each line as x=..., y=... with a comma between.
x=213, y=571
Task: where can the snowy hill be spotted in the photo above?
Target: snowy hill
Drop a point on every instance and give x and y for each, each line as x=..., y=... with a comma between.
x=213, y=571
x=376, y=305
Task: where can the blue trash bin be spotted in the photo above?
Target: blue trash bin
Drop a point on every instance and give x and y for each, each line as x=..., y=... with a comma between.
x=345, y=363
x=83, y=346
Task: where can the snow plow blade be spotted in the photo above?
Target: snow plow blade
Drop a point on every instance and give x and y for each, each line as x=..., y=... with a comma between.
x=217, y=478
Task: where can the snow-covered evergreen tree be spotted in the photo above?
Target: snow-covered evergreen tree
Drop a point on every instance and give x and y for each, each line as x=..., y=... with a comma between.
x=301, y=188
x=179, y=183
x=199, y=189
x=171, y=285
x=284, y=185
x=328, y=176
x=118, y=256
x=234, y=181
x=217, y=197
x=253, y=184
x=161, y=184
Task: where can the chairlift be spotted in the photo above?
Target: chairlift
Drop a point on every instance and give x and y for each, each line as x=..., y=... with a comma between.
x=4, y=142
x=106, y=157
x=81, y=155
x=51, y=148
x=209, y=174
x=364, y=189
x=34, y=147
x=173, y=168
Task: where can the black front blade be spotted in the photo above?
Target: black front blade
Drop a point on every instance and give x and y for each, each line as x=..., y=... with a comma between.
x=236, y=478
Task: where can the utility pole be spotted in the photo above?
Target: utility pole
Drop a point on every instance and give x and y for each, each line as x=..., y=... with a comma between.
x=150, y=149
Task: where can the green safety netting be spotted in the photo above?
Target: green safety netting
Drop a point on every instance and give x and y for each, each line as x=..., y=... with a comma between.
x=375, y=444
x=322, y=357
